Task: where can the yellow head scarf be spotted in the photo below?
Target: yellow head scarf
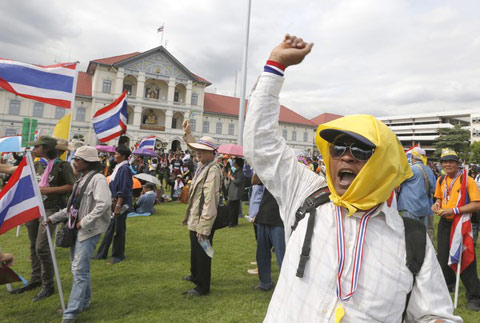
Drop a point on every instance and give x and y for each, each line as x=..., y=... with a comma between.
x=385, y=170
x=422, y=158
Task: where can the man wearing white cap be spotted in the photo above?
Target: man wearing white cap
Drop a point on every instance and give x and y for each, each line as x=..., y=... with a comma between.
x=201, y=210
x=91, y=219
x=417, y=191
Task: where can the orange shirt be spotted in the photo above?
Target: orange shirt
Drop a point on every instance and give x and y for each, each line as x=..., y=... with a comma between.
x=473, y=192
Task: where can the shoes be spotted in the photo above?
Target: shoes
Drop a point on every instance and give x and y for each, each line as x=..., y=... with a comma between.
x=44, y=293
x=262, y=289
x=253, y=271
x=97, y=257
x=188, y=278
x=113, y=261
x=472, y=306
x=29, y=286
x=192, y=292
x=253, y=263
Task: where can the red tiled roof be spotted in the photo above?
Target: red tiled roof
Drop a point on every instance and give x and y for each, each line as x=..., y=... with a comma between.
x=115, y=59
x=325, y=117
x=84, y=84
x=221, y=104
x=201, y=79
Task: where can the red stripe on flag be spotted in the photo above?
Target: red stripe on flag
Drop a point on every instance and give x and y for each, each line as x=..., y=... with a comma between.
x=14, y=178
x=20, y=218
x=56, y=102
x=112, y=136
x=111, y=105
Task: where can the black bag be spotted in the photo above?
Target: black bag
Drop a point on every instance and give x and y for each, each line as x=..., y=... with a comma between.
x=67, y=234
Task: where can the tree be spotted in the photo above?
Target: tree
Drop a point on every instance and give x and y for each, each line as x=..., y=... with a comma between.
x=455, y=138
x=475, y=156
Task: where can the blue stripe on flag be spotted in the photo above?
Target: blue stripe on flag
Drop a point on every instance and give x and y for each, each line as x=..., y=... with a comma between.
x=23, y=191
x=27, y=76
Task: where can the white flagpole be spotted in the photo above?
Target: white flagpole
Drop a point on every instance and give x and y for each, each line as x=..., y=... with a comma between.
x=18, y=231
x=44, y=216
x=72, y=107
x=241, y=108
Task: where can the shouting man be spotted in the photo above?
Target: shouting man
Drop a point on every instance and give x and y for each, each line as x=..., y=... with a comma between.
x=349, y=261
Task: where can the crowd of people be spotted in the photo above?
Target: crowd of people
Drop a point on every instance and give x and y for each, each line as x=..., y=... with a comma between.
x=352, y=231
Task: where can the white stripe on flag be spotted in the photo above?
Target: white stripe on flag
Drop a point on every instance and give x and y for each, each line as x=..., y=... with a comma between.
x=54, y=70
x=108, y=114
x=44, y=93
x=22, y=206
x=109, y=132
x=7, y=198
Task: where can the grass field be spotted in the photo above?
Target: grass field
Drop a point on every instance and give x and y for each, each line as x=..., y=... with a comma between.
x=147, y=287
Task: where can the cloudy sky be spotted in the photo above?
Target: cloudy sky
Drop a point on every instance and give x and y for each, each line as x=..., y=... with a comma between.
x=384, y=57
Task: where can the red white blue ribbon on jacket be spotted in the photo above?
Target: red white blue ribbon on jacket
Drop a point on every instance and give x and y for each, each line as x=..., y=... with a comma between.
x=358, y=256
x=447, y=190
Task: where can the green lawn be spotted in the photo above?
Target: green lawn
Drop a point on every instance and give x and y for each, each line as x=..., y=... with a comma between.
x=147, y=287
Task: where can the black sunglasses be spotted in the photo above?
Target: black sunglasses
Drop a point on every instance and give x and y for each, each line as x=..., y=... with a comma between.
x=359, y=154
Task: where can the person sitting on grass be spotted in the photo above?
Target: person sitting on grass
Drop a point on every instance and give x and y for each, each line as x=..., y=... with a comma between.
x=177, y=188
x=144, y=205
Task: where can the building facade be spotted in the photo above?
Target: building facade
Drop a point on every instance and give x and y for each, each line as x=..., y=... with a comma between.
x=162, y=93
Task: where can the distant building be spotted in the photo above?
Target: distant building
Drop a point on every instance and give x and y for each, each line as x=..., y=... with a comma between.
x=413, y=129
x=162, y=93
x=324, y=118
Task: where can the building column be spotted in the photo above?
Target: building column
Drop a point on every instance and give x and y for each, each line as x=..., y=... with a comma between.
x=137, y=116
x=119, y=81
x=171, y=90
x=168, y=119
x=140, y=85
x=188, y=98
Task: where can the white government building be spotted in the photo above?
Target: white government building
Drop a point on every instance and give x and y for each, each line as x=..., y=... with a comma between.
x=162, y=93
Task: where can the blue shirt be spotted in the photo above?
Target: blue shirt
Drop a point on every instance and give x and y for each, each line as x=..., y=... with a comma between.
x=255, y=199
x=122, y=185
x=413, y=196
x=146, y=202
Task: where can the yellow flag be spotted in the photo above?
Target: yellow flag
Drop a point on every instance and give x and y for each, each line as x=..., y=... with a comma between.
x=61, y=130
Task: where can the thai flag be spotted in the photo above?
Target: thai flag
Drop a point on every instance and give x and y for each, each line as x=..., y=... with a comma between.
x=20, y=201
x=111, y=121
x=11, y=144
x=54, y=84
x=461, y=236
x=148, y=142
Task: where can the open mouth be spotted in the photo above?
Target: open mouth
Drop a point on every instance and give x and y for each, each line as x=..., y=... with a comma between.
x=346, y=177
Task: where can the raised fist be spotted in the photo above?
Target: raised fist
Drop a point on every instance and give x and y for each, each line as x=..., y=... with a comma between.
x=291, y=51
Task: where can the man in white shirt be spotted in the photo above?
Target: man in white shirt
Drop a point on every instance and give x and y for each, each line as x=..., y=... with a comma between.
x=356, y=270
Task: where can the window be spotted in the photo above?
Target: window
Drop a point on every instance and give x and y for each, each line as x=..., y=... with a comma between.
x=10, y=132
x=284, y=134
x=14, y=107
x=193, y=124
x=38, y=109
x=174, y=123
x=59, y=113
x=294, y=135
x=219, y=128
x=206, y=127
x=81, y=114
x=107, y=86
x=127, y=87
x=194, y=98
x=305, y=136
x=231, y=129
x=176, y=96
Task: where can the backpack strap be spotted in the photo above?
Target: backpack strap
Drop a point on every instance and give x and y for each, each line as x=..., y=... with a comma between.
x=415, y=243
x=425, y=178
x=310, y=205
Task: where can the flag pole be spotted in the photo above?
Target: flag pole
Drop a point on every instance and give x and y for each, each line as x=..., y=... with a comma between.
x=459, y=264
x=44, y=216
x=72, y=106
x=241, y=108
x=18, y=231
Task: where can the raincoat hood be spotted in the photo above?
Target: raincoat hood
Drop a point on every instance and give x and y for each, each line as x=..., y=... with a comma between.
x=386, y=169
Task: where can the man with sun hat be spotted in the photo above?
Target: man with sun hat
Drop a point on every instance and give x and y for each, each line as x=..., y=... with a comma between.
x=356, y=269
x=201, y=210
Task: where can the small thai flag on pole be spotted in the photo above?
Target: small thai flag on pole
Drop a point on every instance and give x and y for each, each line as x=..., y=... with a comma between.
x=148, y=142
x=111, y=121
x=54, y=84
x=160, y=29
x=19, y=201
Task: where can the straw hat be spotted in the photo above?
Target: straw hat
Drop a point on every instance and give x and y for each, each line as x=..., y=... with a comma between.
x=87, y=153
x=62, y=144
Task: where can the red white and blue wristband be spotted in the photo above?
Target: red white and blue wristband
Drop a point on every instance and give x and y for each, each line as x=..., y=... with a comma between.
x=274, y=67
x=456, y=211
